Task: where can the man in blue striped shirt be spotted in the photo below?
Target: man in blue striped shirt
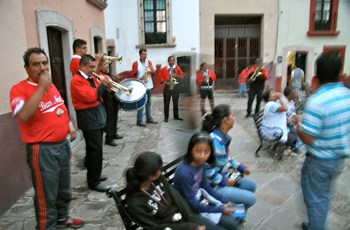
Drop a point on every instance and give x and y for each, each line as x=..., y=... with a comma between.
x=325, y=130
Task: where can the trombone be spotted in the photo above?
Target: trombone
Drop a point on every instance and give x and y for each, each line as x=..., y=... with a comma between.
x=116, y=86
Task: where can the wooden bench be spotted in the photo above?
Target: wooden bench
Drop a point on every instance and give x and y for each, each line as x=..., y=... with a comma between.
x=258, y=120
x=307, y=89
x=299, y=105
x=120, y=200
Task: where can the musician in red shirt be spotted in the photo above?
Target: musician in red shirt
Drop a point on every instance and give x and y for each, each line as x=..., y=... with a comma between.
x=205, y=81
x=44, y=124
x=91, y=117
x=170, y=76
x=111, y=103
x=79, y=49
x=257, y=75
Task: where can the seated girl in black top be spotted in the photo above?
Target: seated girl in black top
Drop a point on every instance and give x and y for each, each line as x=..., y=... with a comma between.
x=152, y=201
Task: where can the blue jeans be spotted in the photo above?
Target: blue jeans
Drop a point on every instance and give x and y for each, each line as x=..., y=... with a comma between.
x=317, y=182
x=242, y=89
x=148, y=110
x=244, y=194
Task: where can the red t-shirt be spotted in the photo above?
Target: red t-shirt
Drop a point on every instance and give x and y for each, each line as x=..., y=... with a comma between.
x=50, y=121
x=243, y=76
x=74, y=64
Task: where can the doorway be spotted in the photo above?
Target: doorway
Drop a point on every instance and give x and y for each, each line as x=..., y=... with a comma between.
x=54, y=37
x=237, y=45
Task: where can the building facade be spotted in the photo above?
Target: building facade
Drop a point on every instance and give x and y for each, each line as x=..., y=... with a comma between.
x=306, y=29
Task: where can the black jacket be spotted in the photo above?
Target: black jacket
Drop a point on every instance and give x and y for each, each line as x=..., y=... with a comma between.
x=138, y=207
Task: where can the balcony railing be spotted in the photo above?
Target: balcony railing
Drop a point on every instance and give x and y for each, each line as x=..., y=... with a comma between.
x=101, y=4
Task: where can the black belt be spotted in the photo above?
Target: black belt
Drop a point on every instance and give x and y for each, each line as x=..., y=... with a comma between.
x=315, y=157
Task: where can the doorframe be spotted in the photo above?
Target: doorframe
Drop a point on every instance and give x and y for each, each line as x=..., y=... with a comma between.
x=49, y=18
x=309, y=62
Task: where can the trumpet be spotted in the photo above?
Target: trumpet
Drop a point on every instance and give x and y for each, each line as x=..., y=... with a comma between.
x=116, y=86
x=148, y=72
x=107, y=59
x=111, y=59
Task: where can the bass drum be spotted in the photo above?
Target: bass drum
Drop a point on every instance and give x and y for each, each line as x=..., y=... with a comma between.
x=136, y=99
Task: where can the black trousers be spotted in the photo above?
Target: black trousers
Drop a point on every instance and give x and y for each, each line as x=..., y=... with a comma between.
x=93, y=143
x=167, y=95
x=251, y=95
x=112, y=108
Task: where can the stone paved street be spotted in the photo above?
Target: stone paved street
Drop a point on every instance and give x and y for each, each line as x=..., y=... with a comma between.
x=279, y=200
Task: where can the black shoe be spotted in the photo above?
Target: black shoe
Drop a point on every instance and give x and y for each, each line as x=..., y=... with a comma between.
x=248, y=115
x=112, y=143
x=152, y=122
x=103, y=177
x=141, y=125
x=179, y=118
x=165, y=120
x=99, y=188
x=304, y=226
x=117, y=136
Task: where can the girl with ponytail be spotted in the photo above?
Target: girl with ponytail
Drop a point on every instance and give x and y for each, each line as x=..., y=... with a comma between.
x=239, y=191
x=152, y=201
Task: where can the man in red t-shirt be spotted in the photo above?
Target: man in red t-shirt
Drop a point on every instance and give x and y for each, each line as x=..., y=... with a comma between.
x=171, y=75
x=79, y=49
x=44, y=124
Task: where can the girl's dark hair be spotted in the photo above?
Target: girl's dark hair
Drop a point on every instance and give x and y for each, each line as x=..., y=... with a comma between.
x=200, y=137
x=146, y=164
x=215, y=118
x=266, y=95
x=288, y=90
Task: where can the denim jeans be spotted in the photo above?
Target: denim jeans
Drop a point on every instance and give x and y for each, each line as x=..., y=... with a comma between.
x=148, y=110
x=317, y=182
x=244, y=194
x=242, y=89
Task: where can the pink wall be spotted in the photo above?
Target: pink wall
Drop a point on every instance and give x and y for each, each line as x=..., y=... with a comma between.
x=83, y=15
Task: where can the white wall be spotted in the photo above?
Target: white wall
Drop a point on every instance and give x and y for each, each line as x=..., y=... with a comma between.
x=123, y=14
x=292, y=34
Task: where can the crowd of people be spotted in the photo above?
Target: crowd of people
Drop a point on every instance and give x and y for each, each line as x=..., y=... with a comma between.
x=204, y=189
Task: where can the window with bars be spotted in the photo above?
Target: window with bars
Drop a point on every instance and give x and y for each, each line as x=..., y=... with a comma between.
x=323, y=14
x=323, y=17
x=155, y=21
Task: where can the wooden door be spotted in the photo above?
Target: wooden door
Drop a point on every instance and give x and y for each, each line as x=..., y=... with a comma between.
x=237, y=45
x=54, y=38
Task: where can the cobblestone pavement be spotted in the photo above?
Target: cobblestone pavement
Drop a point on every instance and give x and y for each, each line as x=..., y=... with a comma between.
x=279, y=200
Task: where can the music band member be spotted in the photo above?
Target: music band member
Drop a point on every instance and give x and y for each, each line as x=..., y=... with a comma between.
x=44, y=124
x=205, y=81
x=257, y=75
x=79, y=49
x=143, y=69
x=171, y=75
x=91, y=117
x=111, y=103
